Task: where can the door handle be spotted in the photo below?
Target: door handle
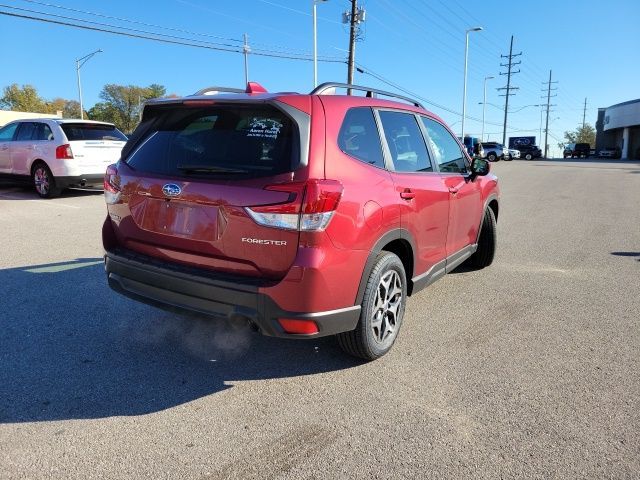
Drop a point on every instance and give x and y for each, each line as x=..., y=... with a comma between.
x=453, y=190
x=407, y=194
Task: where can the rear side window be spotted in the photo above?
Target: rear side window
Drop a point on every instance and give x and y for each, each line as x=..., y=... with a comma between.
x=406, y=143
x=445, y=148
x=91, y=131
x=359, y=136
x=237, y=141
x=42, y=132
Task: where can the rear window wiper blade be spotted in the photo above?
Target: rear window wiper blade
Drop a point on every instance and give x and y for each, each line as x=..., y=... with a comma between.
x=209, y=169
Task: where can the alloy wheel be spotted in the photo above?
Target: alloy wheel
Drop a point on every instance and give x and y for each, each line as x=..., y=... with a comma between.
x=41, y=179
x=387, y=307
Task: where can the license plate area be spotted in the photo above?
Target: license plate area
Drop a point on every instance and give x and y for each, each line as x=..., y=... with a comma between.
x=177, y=218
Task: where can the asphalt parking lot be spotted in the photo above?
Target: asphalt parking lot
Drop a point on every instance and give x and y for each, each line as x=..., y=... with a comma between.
x=526, y=369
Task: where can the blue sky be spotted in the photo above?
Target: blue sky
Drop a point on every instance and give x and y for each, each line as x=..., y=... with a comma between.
x=591, y=46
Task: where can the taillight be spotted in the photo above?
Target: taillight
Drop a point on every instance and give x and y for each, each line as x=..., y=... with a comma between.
x=310, y=206
x=111, y=185
x=64, y=152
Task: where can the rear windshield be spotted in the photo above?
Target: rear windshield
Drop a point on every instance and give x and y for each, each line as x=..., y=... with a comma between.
x=237, y=141
x=91, y=131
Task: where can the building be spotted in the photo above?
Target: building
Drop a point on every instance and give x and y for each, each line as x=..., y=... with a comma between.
x=7, y=116
x=618, y=126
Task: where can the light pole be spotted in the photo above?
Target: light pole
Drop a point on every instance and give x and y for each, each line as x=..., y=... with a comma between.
x=484, y=105
x=79, y=63
x=315, y=43
x=464, y=88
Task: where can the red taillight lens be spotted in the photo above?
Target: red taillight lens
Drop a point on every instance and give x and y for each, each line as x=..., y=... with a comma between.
x=301, y=327
x=64, y=152
x=310, y=206
x=111, y=184
x=322, y=196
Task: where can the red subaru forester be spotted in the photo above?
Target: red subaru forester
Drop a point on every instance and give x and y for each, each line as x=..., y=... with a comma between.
x=308, y=215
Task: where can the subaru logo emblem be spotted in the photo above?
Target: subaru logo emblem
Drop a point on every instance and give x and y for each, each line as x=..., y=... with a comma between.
x=171, y=190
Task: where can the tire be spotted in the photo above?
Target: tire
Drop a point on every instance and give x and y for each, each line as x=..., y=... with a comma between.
x=43, y=181
x=492, y=157
x=508, y=158
x=483, y=257
x=382, y=311
x=528, y=156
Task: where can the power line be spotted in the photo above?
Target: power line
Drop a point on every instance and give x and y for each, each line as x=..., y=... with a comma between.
x=362, y=69
x=268, y=47
x=184, y=42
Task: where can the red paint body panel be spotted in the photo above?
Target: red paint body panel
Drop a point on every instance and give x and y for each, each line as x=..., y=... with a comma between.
x=305, y=271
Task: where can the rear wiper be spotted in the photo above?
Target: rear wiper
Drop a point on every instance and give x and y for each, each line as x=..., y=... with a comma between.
x=205, y=169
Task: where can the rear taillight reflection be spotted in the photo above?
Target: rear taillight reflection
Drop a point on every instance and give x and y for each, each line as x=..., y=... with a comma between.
x=64, y=152
x=310, y=206
x=111, y=185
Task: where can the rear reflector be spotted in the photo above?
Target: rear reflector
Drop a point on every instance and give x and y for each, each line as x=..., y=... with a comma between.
x=310, y=206
x=64, y=152
x=301, y=327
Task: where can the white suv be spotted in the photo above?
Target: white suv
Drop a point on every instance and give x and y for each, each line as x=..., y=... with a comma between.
x=494, y=151
x=53, y=154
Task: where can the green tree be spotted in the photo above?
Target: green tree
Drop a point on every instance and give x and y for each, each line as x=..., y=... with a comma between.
x=22, y=99
x=69, y=108
x=582, y=134
x=121, y=104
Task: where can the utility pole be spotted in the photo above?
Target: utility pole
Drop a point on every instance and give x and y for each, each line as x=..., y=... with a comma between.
x=584, y=113
x=354, y=19
x=508, y=88
x=546, y=129
x=246, y=50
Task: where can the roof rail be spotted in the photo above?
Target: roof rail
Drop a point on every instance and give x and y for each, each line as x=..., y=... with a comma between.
x=324, y=88
x=214, y=90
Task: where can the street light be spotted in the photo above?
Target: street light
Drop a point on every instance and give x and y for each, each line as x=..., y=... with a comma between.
x=464, y=88
x=79, y=63
x=315, y=43
x=484, y=104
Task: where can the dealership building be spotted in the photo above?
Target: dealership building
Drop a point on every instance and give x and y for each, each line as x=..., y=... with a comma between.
x=618, y=126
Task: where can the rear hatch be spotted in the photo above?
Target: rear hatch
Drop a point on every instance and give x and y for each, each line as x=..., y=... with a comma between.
x=187, y=182
x=94, y=145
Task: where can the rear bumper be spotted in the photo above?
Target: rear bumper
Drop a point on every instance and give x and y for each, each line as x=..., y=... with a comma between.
x=83, y=181
x=184, y=290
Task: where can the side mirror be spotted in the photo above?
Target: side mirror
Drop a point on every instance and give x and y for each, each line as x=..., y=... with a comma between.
x=479, y=167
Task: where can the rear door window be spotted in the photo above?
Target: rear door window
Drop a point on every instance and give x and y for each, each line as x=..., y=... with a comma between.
x=92, y=131
x=239, y=141
x=405, y=141
x=25, y=131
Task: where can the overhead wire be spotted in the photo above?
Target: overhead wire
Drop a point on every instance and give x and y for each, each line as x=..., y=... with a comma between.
x=203, y=45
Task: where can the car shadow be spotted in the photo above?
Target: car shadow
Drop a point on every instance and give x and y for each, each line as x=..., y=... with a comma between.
x=73, y=349
x=627, y=254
